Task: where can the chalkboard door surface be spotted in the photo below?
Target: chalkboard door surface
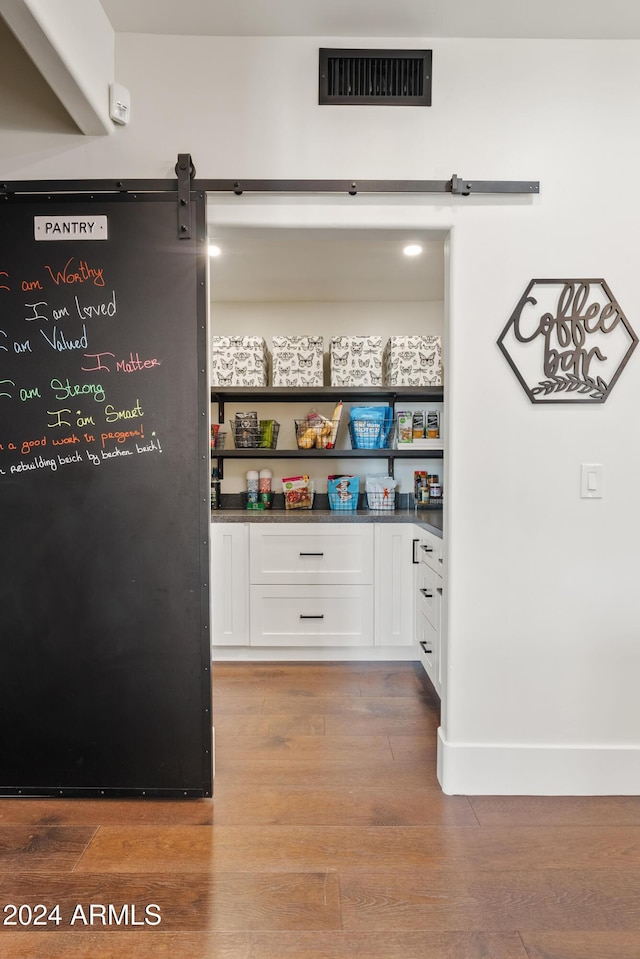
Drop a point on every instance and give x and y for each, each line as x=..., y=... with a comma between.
x=104, y=650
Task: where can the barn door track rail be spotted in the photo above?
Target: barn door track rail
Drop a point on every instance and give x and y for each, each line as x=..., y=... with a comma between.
x=186, y=182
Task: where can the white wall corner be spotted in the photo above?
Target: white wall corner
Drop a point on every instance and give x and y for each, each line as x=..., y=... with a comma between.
x=72, y=43
x=512, y=769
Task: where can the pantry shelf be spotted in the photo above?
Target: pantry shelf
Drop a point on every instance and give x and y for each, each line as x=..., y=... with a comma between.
x=323, y=394
x=279, y=454
x=268, y=454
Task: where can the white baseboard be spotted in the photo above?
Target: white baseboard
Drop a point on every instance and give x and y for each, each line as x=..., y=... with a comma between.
x=471, y=769
x=314, y=654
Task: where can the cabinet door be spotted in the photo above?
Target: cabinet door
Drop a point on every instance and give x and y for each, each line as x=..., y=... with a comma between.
x=442, y=639
x=394, y=584
x=310, y=553
x=320, y=616
x=229, y=584
x=428, y=555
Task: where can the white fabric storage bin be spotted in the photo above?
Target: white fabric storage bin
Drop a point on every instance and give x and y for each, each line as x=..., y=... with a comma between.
x=413, y=361
x=356, y=360
x=297, y=361
x=238, y=361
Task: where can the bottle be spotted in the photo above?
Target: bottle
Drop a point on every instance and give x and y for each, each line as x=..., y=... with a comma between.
x=253, y=479
x=435, y=489
x=215, y=488
x=264, y=481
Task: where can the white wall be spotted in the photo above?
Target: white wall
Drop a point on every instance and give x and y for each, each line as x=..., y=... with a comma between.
x=544, y=624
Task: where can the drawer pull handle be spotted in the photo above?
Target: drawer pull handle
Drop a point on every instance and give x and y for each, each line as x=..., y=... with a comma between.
x=427, y=549
x=440, y=559
x=303, y=616
x=413, y=552
x=312, y=554
x=426, y=594
x=426, y=648
x=439, y=590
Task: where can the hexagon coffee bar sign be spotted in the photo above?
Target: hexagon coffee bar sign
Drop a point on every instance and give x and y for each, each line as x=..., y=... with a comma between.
x=567, y=341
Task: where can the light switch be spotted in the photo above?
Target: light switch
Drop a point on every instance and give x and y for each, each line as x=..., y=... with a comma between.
x=591, y=481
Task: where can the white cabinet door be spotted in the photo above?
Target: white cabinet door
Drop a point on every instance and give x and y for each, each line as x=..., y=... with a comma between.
x=321, y=616
x=229, y=584
x=394, y=584
x=429, y=584
x=311, y=553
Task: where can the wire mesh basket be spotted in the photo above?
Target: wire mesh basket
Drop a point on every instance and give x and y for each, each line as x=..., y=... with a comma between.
x=369, y=434
x=381, y=499
x=315, y=433
x=343, y=503
x=264, y=435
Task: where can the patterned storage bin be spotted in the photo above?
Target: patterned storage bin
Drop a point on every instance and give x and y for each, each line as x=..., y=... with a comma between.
x=238, y=361
x=413, y=361
x=356, y=360
x=297, y=361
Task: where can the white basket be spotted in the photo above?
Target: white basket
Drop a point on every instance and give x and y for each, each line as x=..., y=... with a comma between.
x=381, y=499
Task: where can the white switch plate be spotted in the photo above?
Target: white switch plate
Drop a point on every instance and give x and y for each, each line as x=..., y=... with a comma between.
x=591, y=481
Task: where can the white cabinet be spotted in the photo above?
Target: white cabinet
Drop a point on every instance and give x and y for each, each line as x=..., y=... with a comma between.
x=311, y=585
x=394, y=587
x=229, y=584
x=428, y=561
x=334, y=590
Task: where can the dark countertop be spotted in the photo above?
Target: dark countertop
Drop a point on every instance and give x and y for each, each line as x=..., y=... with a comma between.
x=431, y=520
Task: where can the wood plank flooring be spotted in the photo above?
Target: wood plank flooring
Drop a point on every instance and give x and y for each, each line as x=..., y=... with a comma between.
x=327, y=838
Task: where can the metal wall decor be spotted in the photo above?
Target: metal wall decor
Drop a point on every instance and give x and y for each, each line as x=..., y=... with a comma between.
x=567, y=341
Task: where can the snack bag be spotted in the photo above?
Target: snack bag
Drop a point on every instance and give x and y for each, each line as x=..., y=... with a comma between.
x=297, y=493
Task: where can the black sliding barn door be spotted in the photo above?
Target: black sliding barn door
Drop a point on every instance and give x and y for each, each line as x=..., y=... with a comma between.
x=104, y=499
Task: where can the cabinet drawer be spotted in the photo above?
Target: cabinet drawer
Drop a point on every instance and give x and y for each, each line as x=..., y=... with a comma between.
x=307, y=554
x=427, y=583
x=429, y=551
x=427, y=637
x=312, y=615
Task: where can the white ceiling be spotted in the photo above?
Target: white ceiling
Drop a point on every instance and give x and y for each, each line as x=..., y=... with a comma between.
x=570, y=19
x=278, y=265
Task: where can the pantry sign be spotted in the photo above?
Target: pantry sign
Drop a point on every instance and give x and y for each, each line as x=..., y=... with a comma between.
x=568, y=341
x=70, y=227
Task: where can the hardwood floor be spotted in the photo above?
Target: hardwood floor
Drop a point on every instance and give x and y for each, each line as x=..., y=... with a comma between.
x=328, y=838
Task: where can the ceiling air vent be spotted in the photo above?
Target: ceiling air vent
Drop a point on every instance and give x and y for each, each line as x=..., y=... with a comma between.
x=391, y=77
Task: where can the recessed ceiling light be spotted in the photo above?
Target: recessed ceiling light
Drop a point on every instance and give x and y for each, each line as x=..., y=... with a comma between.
x=412, y=249
x=214, y=250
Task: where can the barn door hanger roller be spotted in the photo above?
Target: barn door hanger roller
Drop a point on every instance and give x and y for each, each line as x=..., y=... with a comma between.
x=185, y=171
